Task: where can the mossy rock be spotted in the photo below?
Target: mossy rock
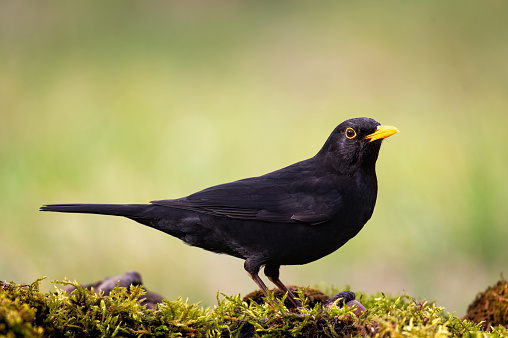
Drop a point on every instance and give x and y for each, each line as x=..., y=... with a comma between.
x=490, y=308
x=314, y=296
x=27, y=312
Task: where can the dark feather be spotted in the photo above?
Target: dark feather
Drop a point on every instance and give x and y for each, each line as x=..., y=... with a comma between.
x=282, y=196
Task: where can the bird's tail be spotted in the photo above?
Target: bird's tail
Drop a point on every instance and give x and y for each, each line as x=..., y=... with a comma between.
x=126, y=210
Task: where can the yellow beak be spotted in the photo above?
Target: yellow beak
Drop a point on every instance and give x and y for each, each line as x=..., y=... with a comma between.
x=382, y=132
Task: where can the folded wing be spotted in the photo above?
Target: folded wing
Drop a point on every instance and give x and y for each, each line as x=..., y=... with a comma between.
x=273, y=198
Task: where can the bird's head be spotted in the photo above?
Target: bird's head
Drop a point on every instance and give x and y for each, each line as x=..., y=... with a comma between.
x=355, y=143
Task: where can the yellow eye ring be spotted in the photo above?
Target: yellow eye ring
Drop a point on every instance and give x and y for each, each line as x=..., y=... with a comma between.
x=350, y=133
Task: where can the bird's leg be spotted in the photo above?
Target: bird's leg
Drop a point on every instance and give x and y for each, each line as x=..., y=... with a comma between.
x=296, y=302
x=253, y=269
x=259, y=282
x=272, y=272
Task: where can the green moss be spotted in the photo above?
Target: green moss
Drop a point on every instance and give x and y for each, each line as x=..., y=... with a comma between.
x=16, y=316
x=25, y=311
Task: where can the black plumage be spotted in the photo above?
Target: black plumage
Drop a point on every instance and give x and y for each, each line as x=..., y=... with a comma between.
x=291, y=216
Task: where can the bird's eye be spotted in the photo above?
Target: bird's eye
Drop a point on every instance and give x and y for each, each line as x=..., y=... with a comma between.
x=350, y=133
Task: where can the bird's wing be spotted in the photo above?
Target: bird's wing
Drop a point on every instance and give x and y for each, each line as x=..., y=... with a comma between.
x=266, y=198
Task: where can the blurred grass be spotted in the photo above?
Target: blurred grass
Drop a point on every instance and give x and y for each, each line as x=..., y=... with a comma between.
x=127, y=102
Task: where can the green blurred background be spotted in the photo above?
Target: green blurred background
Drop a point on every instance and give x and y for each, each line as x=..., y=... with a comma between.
x=127, y=102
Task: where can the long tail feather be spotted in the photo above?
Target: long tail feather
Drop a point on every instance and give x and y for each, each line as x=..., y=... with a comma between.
x=127, y=210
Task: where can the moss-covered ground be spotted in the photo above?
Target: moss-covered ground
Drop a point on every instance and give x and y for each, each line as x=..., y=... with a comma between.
x=26, y=311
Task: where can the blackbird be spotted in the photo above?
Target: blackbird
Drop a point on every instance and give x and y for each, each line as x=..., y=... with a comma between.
x=291, y=216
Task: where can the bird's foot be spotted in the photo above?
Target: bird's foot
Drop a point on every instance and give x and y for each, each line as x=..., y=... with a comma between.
x=347, y=298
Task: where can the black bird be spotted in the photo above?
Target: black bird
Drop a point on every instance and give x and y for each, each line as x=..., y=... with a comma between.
x=291, y=216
